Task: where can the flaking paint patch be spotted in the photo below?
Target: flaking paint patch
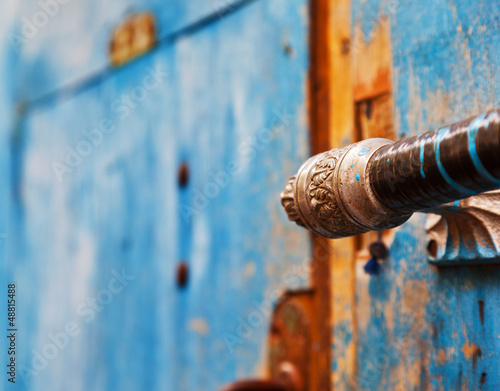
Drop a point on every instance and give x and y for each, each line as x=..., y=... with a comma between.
x=438, y=108
x=364, y=299
x=199, y=325
x=389, y=312
x=443, y=356
x=414, y=298
x=408, y=376
x=441, y=93
x=250, y=269
x=414, y=115
x=468, y=349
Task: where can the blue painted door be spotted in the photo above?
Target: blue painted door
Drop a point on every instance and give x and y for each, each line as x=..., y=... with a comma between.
x=416, y=326
x=95, y=221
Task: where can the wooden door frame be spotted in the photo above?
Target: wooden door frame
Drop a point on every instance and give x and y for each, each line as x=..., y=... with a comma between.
x=331, y=116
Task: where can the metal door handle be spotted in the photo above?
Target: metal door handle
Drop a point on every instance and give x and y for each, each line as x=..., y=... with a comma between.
x=257, y=385
x=377, y=184
x=288, y=379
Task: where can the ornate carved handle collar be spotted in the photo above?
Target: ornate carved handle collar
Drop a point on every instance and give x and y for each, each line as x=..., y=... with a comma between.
x=377, y=184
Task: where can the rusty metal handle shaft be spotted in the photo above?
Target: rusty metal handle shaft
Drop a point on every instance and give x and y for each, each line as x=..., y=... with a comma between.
x=377, y=184
x=256, y=385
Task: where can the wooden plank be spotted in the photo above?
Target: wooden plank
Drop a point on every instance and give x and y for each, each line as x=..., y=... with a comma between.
x=232, y=94
x=319, y=97
x=372, y=61
x=332, y=122
x=341, y=134
x=422, y=327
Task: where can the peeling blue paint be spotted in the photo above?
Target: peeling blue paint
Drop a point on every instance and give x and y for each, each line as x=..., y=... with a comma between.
x=444, y=70
x=364, y=151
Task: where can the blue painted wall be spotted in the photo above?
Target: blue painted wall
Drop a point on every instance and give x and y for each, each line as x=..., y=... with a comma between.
x=110, y=222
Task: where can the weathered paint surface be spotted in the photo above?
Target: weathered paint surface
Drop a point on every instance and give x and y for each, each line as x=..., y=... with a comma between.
x=61, y=41
x=422, y=327
x=232, y=94
x=7, y=118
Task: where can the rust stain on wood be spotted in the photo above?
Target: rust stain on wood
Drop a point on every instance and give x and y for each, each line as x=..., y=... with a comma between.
x=374, y=118
x=332, y=124
x=471, y=352
x=135, y=36
x=319, y=118
x=372, y=62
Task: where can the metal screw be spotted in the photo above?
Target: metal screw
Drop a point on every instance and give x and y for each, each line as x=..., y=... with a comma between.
x=378, y=250
x=183, y=175
x=345, y=46
x=182, y=274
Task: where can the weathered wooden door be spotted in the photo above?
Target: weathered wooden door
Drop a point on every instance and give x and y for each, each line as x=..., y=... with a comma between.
x=117, y=183
x=396, y=69
x=114, y=176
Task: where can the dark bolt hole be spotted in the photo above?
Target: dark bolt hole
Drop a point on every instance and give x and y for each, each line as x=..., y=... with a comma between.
x=345, y=46
x=369, y=109
x=378, y=250
x=182, y=274
x=481, y=310
x=183, y=175
x=288, y=49
x=275, y=331
x=432, y=249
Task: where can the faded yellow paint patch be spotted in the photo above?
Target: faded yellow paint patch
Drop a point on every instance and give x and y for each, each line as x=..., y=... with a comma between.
x=250, y=269
x=198, y=325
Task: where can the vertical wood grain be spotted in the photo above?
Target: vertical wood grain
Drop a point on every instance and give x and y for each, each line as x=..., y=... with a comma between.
x=332, y=122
